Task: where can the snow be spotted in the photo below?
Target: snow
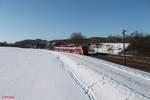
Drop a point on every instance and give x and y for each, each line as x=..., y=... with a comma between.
x=33, y=74
x=110, y=48
x=28, y=74
x=105, y=80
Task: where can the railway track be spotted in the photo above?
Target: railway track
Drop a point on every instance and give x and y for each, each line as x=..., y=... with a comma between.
x=133, y=62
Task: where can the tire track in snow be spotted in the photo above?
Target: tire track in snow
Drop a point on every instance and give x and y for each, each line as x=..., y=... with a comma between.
x=123, y=87
x=86, y=89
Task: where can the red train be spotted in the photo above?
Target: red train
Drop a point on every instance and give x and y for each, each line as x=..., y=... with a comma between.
x=76, y=50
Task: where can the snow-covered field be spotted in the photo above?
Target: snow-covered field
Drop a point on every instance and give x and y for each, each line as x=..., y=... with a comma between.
x=30, y=74
x=110, y=48
x=27, y=74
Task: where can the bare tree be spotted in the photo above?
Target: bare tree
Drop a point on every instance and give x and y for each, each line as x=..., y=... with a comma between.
x=77, y=38
x=139, y=43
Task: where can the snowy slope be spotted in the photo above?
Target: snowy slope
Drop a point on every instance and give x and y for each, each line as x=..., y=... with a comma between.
x=105, y=80
x=27, y=74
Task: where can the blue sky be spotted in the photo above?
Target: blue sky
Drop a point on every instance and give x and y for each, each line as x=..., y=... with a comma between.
x=56, y=19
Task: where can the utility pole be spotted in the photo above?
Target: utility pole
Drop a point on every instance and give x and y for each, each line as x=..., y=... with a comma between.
x=124, y=41
x=97, y=47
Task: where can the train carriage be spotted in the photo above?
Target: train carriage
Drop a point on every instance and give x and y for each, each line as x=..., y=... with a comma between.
x=76, y=50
